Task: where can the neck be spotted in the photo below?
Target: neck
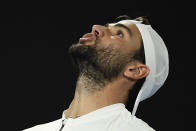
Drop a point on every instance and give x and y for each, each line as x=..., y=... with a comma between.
x=90, y=96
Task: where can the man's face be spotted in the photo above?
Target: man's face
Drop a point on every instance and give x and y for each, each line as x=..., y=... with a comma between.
x=103, y=53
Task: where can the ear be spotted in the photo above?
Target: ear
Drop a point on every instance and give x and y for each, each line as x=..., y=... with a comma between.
x=136, y=71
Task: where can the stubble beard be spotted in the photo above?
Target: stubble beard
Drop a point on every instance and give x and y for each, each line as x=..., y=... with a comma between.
x=97, y=66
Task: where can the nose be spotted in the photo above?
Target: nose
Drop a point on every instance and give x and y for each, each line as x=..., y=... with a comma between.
x=99, y=30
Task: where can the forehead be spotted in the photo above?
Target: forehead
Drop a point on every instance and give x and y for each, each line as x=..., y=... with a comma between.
x=131, y=24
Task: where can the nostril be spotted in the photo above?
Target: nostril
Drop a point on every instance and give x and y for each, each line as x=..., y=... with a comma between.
x=96, y=33
x=98, y=30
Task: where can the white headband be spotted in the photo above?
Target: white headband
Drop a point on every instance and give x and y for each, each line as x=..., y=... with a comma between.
x=156, y=57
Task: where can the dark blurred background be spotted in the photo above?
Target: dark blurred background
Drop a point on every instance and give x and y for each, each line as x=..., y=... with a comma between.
x=38, y=80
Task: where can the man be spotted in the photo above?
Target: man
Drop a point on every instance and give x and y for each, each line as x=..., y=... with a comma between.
x=111, y=61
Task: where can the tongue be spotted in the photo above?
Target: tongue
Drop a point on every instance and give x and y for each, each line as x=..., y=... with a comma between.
x=87, y=37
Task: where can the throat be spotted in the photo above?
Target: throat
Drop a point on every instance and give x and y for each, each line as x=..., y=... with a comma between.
x=89, y=97
x=86, y=98
x=88, y=85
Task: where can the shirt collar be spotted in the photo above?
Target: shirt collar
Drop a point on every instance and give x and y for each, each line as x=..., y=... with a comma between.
x=104, y=111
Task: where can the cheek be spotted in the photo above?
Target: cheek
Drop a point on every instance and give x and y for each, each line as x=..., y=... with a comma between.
x=135, y=45
x=103, y=43
x=113, y=42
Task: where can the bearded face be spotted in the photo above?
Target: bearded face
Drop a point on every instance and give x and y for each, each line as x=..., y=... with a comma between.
x=100, y=64
x=102, y=54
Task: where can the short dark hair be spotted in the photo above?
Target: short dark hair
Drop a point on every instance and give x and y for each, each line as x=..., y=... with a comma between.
x=139, y=55
x=143, y=19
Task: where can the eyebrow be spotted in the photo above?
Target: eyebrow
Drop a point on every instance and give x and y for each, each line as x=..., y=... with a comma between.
x=121, y=25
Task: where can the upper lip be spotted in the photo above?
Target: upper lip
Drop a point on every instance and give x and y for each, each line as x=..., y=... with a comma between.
x=94, y=33
x=88, y=37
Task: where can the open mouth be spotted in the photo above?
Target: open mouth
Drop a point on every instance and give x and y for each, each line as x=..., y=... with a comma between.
x=88, y=37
